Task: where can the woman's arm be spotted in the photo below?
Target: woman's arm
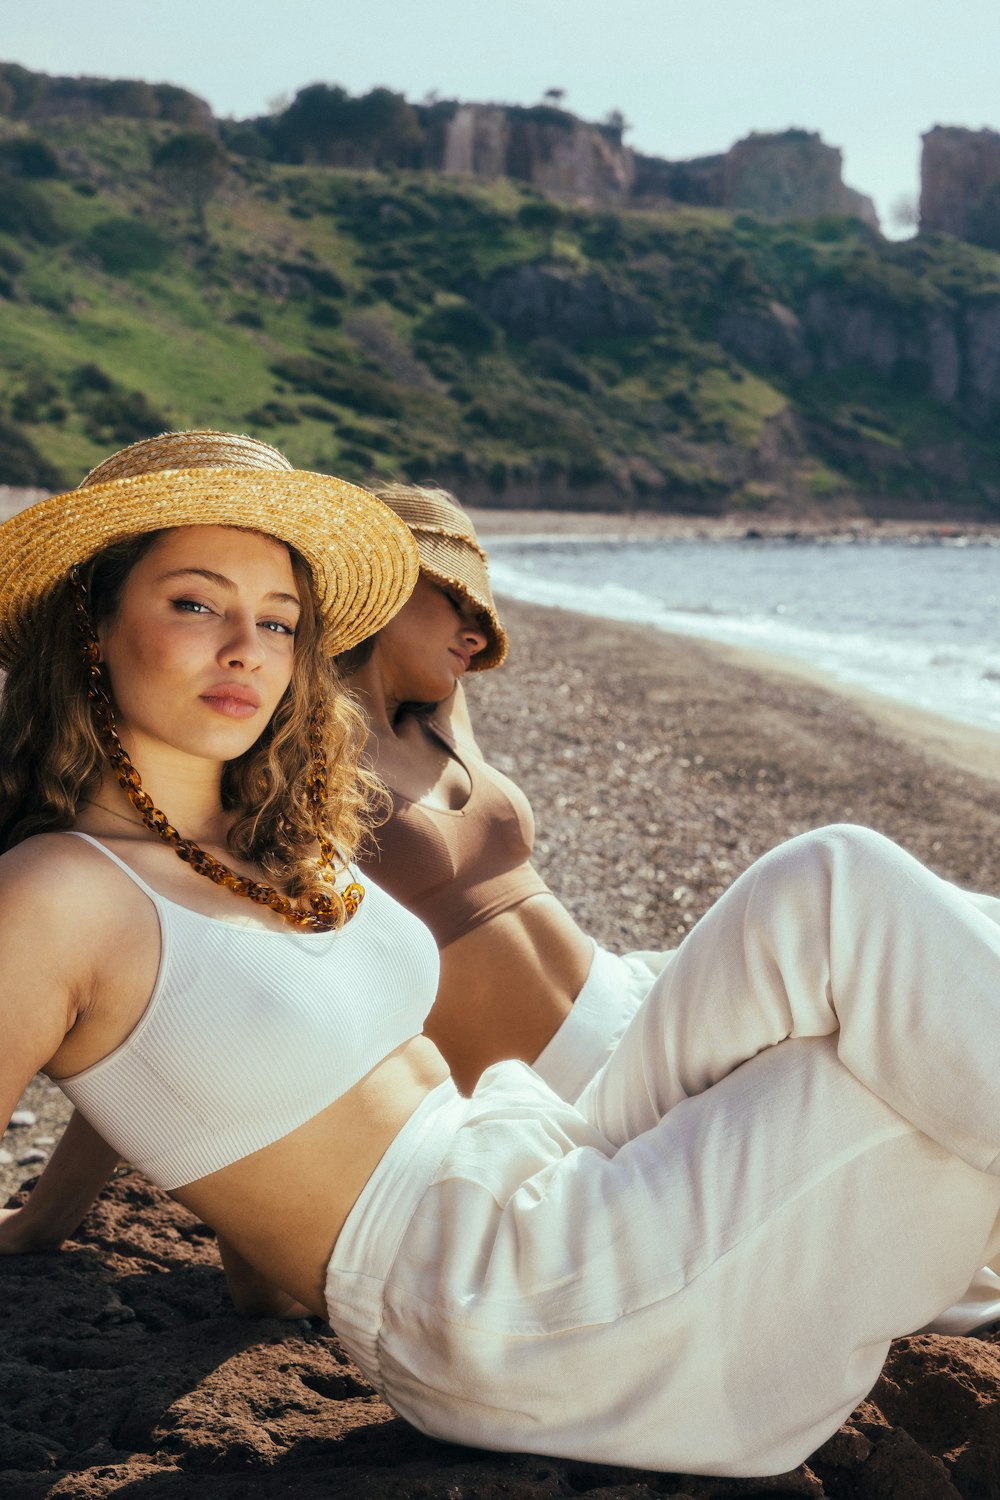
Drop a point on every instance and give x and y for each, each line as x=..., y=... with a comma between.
x=43, y=910
x=453, y=715
x=80, y=1166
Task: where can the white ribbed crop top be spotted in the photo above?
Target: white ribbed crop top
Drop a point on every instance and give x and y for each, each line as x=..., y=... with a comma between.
x=250, y=1031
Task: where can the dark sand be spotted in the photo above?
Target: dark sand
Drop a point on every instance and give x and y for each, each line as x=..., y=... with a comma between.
x=658, y=769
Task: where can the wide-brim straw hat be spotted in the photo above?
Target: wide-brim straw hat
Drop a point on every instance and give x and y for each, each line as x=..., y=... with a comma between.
x=363, y=559
x=450, y=555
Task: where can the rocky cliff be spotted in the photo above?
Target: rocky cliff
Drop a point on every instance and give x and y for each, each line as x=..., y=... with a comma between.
x=552, y=150
x=960, y=184
x=951, y=353
x=790, y=174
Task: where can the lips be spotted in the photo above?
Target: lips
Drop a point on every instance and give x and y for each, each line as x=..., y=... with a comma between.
x=465, y=660
x=233, y=699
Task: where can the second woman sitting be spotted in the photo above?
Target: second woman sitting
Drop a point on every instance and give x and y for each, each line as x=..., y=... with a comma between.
x=518, y=976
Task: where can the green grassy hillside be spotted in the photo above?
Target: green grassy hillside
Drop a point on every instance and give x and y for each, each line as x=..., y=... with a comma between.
x=406, y=324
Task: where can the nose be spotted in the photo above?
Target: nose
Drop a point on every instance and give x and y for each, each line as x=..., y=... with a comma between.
x=474, y=637
x=241, y=646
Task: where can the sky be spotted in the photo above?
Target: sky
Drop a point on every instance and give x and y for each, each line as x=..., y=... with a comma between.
x=690, y=76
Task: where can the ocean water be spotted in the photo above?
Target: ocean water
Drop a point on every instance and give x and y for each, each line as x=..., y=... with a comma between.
x=913, y=621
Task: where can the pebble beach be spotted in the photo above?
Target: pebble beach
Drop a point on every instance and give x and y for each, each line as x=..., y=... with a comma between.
x=659, y=767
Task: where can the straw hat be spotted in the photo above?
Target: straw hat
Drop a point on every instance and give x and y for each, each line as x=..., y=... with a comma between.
x=363, y=561
x=451, y=556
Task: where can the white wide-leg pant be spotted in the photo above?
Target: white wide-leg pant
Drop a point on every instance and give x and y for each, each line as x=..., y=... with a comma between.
x=790, y=1158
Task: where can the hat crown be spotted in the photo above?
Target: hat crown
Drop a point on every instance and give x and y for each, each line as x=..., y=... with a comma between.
x=430, y=510
x=450, y=556
x=187, y=450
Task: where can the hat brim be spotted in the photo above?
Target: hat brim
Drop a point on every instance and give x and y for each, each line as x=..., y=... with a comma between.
x=363, y=558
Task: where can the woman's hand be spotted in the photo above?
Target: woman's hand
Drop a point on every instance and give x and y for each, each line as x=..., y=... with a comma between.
x=19, y=1235
x=79, y=1167
x=10, y=1224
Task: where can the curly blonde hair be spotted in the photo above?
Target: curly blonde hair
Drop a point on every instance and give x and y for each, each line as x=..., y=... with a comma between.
x=52, y=757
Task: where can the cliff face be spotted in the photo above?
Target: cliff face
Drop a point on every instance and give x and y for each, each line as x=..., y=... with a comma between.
x=558, y=155
x=789, y=175
x=960, y=184
x=951, y=354
x=792, y=175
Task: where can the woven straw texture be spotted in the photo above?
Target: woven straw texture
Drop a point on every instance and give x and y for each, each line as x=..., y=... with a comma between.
x=450, y=555
x=363, y=559
x=188, y=450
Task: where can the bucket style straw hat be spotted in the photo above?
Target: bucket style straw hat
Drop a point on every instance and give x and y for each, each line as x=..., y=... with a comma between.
x=363, y=560
x=450, y=555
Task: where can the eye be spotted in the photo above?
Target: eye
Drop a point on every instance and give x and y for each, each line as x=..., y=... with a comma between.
x=191, y=606
x=278, y=627
x=457, y=603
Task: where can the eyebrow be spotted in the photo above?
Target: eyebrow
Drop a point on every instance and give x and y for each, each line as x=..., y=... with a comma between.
x=227, y=583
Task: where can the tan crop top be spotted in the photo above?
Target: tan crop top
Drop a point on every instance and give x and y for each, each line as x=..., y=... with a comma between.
x=455, y=869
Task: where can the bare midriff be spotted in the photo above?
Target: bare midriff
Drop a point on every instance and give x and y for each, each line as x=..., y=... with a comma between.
x=284, y=1206
x=507, y=986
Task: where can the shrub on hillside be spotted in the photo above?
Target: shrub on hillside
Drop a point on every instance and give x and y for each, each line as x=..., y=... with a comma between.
x=459, y=325
x=121, y=416
x=21, y=462
x=90, y=377
x=349, y=385
x=554, y=361
x=124, y=245
x=27, y=156
x=25, y=213
x=37, y=400
x=193, y=166
x=324, y=124
x=324, y=314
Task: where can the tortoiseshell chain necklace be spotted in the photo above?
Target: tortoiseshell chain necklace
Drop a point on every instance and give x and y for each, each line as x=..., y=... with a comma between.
x=323, y=915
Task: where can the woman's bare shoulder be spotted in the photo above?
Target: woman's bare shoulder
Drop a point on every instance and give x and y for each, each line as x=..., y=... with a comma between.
x=47, y=872
x=51, y=933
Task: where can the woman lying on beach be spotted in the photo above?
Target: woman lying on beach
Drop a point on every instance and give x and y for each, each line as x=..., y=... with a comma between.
x=792, y=1155
x=519, y=979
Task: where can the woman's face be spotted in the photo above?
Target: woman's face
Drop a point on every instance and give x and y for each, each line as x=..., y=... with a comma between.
x=428, y=646
x=202, y=645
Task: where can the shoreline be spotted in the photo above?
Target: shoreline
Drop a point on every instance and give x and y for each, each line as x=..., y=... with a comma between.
x=963, y=743
x=969, y=747
x=640, y=525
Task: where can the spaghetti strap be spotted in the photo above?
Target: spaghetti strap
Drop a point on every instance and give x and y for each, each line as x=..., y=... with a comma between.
x=116, y=860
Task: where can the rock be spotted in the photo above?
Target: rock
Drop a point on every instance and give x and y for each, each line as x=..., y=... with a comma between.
x=769, y=335
x=23, y=1117
x=547, y=301
x=791, y=174
x=788, y=174
x=960, y=184
x=548, y=148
